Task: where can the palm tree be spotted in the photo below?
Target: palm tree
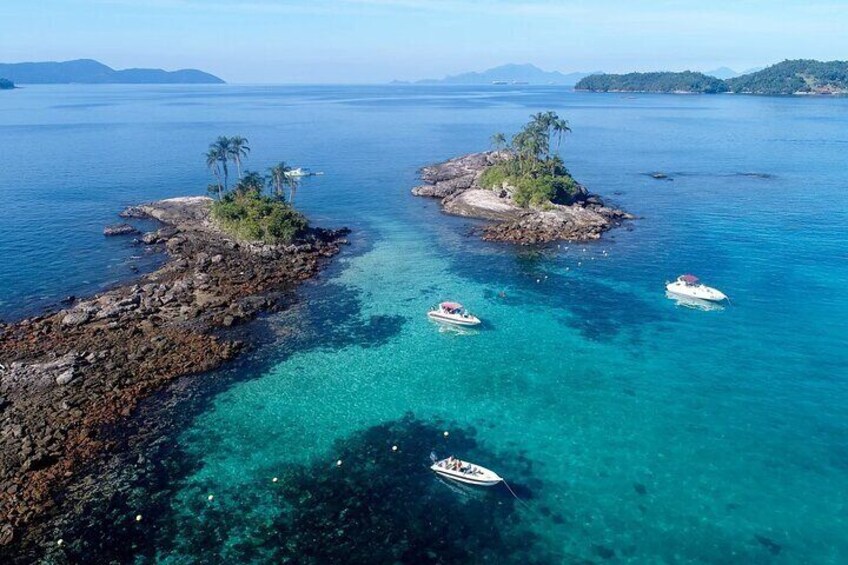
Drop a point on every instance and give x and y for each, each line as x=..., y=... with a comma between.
x=279, y=178
x=212, y=163
x=559, y=128
x=294, y=183
x=222, y=147
x=239, y=149
x=499, y=141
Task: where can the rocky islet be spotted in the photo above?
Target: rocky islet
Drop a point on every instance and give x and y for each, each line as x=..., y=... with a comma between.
x=456, y=183
x=66, y=376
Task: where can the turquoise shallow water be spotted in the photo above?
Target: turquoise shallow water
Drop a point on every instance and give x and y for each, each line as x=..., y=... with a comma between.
x=647, y=431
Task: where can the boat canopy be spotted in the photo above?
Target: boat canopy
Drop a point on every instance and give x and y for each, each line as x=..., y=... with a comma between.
x=689, y=279
x=451, y=305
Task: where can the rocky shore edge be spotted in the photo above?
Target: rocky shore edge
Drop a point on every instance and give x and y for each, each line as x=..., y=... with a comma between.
x=67, y=377
x=457, y=184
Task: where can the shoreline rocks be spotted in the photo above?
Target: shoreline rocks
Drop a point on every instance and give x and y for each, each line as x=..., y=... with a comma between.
x=66, y=377
x=456, y=184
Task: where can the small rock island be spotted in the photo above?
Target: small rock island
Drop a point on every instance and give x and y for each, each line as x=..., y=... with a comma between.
x=524, y=190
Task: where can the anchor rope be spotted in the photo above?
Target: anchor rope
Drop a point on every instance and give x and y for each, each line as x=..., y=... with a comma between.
x=512, y=492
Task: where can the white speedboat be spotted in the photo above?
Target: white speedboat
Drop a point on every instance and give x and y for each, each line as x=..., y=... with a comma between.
x=299, y=172
x=691, y=287
x=453, y=313
x=465, y=472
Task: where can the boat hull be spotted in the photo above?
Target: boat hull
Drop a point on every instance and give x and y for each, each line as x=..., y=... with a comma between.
x=455, y=320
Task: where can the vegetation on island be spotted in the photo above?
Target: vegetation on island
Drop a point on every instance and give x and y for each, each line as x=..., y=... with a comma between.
x=802, y=76
x=687, y=81
x=246, y=211
x=535, y=174
x=6, y=84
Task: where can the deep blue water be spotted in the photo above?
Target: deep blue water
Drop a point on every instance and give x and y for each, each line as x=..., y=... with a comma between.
x=654, y=432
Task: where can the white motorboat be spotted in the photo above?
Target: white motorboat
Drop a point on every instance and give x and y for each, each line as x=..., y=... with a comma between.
x=299, y=172
x=691, y=287
x=453, y=313
x=465, y=472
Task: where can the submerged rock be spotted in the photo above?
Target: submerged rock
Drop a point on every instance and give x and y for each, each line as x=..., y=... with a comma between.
x=365, y=502
x=119, y=229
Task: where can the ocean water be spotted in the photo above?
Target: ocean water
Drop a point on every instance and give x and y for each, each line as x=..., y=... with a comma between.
x=633, y=428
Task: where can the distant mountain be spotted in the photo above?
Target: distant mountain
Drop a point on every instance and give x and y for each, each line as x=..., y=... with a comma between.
x=802, y=76
x=6, y=84
x=685, y=82
x=88, y=71
x=529, y=74
x=722, y=73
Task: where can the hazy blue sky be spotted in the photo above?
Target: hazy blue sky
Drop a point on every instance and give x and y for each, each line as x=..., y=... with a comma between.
x=378, y=40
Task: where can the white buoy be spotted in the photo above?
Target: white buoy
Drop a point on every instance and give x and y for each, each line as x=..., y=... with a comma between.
x=579, y=263
x=274, y=480
x=211, y=498
x=339, y=463
x=138, y=518
x=394, y=448
x=447, y=434
x=60, y=542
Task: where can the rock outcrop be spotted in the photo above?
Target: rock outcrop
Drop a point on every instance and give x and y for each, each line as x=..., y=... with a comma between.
x=66, y=376
x=456, y=184
x=119, y=229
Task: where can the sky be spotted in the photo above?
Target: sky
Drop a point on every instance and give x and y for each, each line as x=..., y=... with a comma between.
x=374, y=41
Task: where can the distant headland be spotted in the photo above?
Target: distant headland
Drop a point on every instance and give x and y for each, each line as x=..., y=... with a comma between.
x=89, y=71
x=798, y=77
x=507, y=74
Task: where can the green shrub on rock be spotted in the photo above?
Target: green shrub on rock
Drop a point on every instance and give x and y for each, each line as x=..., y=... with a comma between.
x=255, y=217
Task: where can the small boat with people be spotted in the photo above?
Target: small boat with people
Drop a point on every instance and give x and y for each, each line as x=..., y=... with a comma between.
x=453, y=313
x=691, y=287
x=464, y=472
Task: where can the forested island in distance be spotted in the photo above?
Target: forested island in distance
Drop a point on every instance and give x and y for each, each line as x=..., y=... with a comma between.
x=89, y=71
x=801, y=76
